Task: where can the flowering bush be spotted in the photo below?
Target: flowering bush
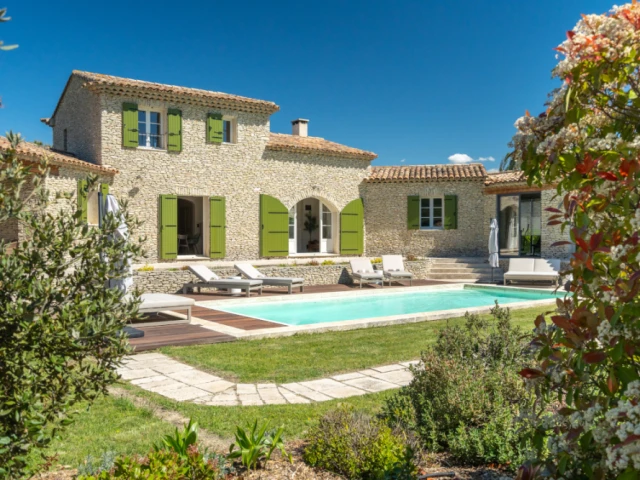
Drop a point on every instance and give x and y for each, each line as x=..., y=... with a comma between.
x=586, y=422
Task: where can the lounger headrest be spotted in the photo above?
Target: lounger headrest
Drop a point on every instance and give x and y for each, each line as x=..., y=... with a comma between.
x=203, y=273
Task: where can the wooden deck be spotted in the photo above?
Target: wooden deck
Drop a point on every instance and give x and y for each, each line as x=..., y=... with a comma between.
x=174, y=335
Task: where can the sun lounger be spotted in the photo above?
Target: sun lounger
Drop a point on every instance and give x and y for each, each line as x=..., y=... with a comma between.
x=393, y=269
x=532, y=269
x=208, y=279
x=362, y=270
x=252, y=273
x=160, y=302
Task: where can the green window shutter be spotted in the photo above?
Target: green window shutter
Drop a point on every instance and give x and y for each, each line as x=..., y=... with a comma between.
x=168, y=226
x=83, y=198
x=413, y=212
x=352, y=228
x=217, y=227
x=130, y=125
x=450, y=212
x=274, y=227
x=214, y=128
x=174, y=130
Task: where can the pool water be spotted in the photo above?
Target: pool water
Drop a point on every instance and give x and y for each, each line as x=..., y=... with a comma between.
x=307, y=312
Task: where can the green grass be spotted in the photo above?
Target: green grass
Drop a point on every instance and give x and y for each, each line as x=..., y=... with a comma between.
x=295, y=419
x=309, y=356
x=110, y=424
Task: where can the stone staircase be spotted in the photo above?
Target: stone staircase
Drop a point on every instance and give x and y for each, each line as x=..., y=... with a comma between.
x=469, y=270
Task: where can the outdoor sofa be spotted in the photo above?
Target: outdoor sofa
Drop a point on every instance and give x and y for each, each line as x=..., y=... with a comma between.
x=393, y=269
x=362, y=270
x=532, y=269
x=209, y=279
x=252, y=273
x=160, y=302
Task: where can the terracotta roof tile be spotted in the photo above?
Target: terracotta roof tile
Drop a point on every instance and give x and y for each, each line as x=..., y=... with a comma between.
x=33, y=152
x=101, y=83
x=426, y=173
x=317, y=145
x=509, y=176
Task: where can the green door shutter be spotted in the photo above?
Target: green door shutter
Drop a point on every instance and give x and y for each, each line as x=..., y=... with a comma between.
x=168, y=226
x=214, y=128
x=130, y=125
x=174, y=130
x=217, y=227
x=450, y=212
x=83, y=198
x=413, y=212
x=104, y=189
x=352, y=228
x=274, y=227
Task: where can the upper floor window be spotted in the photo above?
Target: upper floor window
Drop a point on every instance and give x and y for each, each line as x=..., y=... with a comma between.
x=431, y=213
x=150, y=129
x=228, y=130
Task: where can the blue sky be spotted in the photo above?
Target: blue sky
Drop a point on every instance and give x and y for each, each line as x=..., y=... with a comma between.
x=414, y=81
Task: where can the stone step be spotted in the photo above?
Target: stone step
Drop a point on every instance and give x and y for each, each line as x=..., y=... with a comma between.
x=462, y=276
x=474, y=260
x=464, y=269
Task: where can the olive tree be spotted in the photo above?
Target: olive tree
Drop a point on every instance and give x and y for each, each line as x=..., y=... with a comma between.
x=61, y=327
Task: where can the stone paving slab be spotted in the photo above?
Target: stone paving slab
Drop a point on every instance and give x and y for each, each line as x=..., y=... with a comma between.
x=165, y=376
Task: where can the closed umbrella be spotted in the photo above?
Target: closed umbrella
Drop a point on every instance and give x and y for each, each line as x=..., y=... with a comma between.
x=111, y=206
x=494, y=258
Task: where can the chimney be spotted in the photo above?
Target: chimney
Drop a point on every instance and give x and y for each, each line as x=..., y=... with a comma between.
x=300, y=127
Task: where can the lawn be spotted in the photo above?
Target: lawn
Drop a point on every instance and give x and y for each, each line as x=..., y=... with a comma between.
x=111, y=424
x=309, y=356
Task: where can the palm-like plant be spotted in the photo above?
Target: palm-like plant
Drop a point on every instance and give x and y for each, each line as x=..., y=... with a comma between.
x=256, y=444
x=4, y=18
x=180, y=442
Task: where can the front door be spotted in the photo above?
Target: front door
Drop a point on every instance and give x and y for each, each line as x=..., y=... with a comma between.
x=293, y=241
x=326, y=230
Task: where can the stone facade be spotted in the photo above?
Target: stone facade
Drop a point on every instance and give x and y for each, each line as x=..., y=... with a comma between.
x=172, y=280
x=240, y=172
x=386, y=220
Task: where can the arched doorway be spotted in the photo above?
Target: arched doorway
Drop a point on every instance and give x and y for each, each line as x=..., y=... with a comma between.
x=312, y=227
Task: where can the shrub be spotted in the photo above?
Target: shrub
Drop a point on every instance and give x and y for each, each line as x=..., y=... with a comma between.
x=255, y=446
x=163, y=465
x=61, y=331
x=411, y=258
x=146, y=268
x=357, y=446
x=466, y=393
x=376, y=260
x=328, y=262
x=586, y=143
x=313, y=263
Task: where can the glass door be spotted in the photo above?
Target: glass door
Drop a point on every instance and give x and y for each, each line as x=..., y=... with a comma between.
x=530, y=224
x=293, y=245
x=508, y=225
x=326, y=227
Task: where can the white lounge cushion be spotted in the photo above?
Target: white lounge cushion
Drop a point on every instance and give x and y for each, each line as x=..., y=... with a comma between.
x=549, y=266
x=151, y=301
x=392, y=263
x=521, y=264
x=203, y=273
x=531, y=275
x=361, y=265
x=251, y=272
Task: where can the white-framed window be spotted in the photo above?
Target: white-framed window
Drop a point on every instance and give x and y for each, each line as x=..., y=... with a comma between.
x=326, y=222
x=150, y=128
x=431, y=213
x=93, y=212
x=228, y=130
x=292, y=223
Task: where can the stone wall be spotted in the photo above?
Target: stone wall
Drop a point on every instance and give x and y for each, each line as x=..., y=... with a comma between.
x=240, y=172
x=552, y=234
x=385, y=206
x=172, y=280
x=79, y=114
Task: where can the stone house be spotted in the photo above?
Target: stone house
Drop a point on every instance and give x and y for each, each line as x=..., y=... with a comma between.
x=210, y=180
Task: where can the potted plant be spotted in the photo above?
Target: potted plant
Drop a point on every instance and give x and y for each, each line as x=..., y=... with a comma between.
x=311, y=225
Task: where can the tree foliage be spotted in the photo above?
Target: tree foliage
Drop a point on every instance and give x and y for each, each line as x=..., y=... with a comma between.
x=587, y=418
x=61, y=328
x=4, y=18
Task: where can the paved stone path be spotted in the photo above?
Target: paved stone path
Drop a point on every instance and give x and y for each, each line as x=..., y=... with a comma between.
x=161, y=374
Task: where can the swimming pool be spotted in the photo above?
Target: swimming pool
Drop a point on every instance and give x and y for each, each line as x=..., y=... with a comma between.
x=381, y=304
